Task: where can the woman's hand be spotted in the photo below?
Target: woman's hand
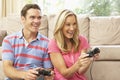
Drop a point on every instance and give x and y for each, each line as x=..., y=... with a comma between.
x=96, y=56
x=85, y=60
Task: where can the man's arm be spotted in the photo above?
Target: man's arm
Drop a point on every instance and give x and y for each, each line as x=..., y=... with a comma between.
x=15, y=74
x=11, y=72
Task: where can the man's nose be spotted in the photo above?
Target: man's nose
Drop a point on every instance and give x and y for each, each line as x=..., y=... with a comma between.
x=37, y=20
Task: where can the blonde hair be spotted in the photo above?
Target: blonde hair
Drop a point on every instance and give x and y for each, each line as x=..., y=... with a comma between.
x=58, y=34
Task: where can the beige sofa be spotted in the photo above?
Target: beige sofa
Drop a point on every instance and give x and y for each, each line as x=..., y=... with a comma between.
x=102, y=32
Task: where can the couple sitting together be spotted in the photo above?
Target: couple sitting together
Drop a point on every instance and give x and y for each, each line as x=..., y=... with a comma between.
x=29, y=55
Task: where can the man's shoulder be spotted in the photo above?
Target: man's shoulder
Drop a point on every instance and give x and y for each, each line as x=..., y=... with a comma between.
x=13, y=35
x=43, y=37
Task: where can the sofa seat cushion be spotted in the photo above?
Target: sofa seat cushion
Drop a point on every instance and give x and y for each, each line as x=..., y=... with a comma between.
x=104, y=30
x=105, y=70
x=3, y=33
x=109, y=52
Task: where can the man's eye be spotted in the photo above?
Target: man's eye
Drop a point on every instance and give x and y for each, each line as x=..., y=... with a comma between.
x=39, y=17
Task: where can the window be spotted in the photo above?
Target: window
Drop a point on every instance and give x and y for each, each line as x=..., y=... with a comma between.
x=54, y=6
x=96, y=7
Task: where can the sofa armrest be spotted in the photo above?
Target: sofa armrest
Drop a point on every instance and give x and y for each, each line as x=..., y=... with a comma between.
x=3, y=33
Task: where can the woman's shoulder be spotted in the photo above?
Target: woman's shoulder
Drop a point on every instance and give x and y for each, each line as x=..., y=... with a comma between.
x=82, y=37
x=52, y=42
x=84, y=41
x=52, y=46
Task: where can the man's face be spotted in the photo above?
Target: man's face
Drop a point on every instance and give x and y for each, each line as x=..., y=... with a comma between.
x=32, y=20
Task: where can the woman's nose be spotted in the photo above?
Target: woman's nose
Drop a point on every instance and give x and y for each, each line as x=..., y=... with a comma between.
x=71, y=27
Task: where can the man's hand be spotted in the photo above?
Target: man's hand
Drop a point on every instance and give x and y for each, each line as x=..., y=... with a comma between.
x=50, y=77
x=31, y=74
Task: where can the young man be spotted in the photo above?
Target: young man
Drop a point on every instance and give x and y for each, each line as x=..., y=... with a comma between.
x=25, y=52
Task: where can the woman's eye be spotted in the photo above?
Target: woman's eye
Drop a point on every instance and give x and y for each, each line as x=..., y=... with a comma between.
x=74, y=24
x=67, y=24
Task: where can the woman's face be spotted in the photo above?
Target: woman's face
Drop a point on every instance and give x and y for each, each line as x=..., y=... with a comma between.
x=69, y=27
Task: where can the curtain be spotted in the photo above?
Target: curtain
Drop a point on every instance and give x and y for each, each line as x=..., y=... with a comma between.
x=8, y=7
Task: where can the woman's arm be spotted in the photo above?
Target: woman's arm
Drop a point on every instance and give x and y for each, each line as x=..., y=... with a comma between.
x=59, y=63
x=85, y=65
x=85, y=61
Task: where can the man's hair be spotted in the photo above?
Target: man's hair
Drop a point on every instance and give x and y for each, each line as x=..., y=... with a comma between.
x=58, y=34
x=27, y=7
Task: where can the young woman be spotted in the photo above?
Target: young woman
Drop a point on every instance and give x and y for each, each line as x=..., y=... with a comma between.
x=68, y=49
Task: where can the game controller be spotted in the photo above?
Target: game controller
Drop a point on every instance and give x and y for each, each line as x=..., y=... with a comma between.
x=93, y=52
x=44, y=73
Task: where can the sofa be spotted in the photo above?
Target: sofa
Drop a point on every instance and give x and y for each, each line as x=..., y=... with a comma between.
x=101, y=32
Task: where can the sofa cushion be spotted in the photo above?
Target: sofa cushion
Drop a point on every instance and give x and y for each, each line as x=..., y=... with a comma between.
x=44, y=26
x=104, y=30
x=51, y=25
x=109, y=52
x=83, y=22
x=12, y=23
x=3, y=33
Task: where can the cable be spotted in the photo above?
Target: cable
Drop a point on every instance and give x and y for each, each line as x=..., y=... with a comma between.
x=91, y=70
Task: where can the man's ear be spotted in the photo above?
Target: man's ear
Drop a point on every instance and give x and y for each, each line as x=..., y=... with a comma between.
x=23, y=19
